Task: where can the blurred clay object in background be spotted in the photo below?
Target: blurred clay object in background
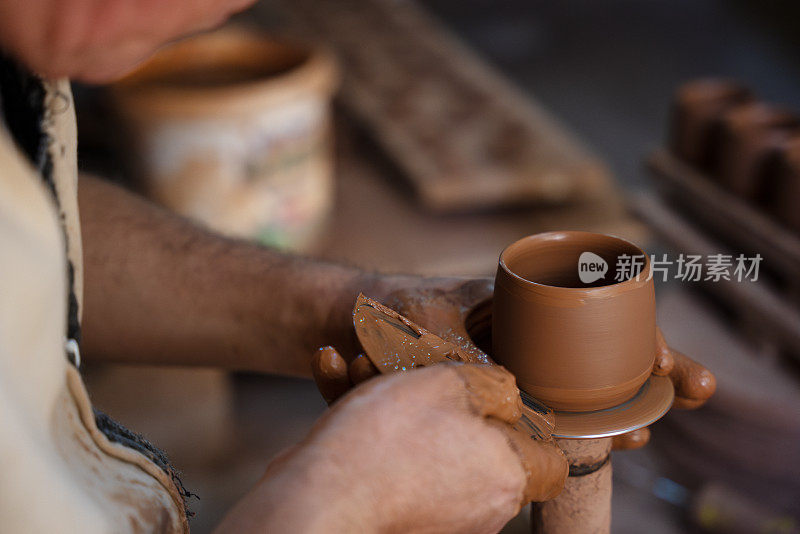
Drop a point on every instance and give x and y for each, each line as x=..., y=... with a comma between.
x=696, y=111
x=232, y=129
x=749, y=136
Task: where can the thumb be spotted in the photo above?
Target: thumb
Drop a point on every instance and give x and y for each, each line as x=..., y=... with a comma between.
x=544, y=465
x=329, y=369
x=492, y=393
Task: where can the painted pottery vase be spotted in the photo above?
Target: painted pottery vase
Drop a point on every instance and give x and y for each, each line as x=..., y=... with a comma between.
x=574, y=318
x=233, y=129
x=696, y=110
x=749, y=137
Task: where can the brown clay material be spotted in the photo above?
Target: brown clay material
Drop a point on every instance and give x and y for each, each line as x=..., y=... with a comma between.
x=330, y=373
x=572, y=346
x=749, y=137
x=694, y=384
x=585, y=504
x=492, y=392
x=664, y=362
x=631, y=440
x=696, y=110
x=648, y=405
x=542, y=461
x=393, y=343
x=361, y=370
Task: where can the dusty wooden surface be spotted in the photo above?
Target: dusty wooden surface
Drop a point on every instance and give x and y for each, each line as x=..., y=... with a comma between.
x=378, y=225
x=464, y=135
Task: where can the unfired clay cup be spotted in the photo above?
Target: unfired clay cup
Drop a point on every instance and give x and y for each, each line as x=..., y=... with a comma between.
x=574, y=346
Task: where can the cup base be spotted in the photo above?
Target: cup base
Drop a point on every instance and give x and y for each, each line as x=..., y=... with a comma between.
x=584, y=400
x=648, y=405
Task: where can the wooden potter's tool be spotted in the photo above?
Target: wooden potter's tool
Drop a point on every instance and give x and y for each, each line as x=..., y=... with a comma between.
x=414, y=346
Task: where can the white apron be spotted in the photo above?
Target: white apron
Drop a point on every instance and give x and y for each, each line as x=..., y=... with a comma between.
x=58, y=472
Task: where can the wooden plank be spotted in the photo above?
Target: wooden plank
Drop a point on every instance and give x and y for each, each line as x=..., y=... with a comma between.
x=756, y=302
x=464, y=136
x=378, y=225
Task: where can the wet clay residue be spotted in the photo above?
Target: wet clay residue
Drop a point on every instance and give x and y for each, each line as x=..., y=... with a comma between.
x=393, y=343
x=543, y=463
x=492, y=392
x=664, y=362
x=694, y=383
x=330, y=373
x=631, y=440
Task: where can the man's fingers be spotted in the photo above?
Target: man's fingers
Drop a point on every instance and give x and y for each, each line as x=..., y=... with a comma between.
x=631, y=440
x=694, y=384
x=361, y=369
x=664, y=361
x=544, y=464
x=491, y=391
x=330, y=373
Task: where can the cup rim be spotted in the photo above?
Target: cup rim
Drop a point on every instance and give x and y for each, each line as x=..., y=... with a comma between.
x=315, y=73
x=640, y=280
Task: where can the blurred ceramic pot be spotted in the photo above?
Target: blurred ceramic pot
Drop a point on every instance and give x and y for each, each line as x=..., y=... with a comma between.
x=696, y=109
x=575, y=337
x=749, y=136
x=233, y=129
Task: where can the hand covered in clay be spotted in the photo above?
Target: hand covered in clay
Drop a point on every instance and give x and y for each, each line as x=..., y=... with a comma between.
x=694, y=384
x=459, y=311
x=432, y=449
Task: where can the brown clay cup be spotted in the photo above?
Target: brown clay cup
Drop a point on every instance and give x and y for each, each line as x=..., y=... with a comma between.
x=574, y=346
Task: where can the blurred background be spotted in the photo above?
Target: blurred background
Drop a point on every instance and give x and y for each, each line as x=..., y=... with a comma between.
x=423, y=137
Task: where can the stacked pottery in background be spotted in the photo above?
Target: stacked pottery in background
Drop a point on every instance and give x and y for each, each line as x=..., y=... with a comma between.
x=233, y=129
x=747, y=437
x=748, y=147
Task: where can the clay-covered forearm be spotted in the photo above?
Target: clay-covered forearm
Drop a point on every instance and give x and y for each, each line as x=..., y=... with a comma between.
x=160, y=290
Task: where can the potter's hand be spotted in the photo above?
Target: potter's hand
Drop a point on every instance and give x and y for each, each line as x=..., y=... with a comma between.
x=431, y=449
x=441, y=305
x=445, y=310
x=694, y=385
x=455, y=308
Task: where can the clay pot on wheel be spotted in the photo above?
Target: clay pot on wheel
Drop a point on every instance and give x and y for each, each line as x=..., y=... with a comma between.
x=573, y=345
